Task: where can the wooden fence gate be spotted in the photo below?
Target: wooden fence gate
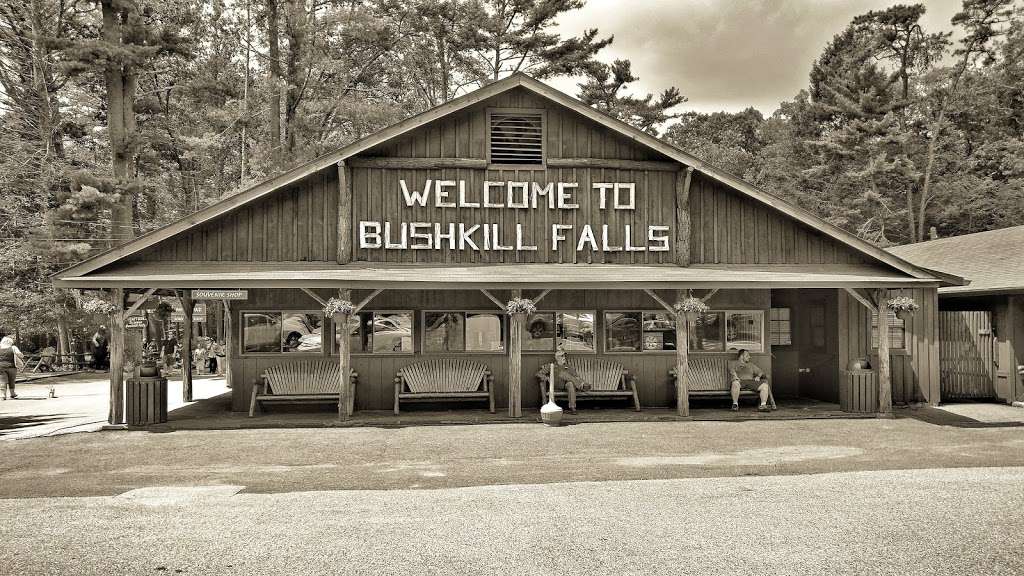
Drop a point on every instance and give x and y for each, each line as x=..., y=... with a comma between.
x=966, y=354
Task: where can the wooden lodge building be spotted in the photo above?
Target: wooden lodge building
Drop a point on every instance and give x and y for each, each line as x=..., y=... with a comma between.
x=432, y=225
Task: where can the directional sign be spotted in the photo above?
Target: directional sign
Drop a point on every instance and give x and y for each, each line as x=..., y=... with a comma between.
x=134, y=321
x=220, y=294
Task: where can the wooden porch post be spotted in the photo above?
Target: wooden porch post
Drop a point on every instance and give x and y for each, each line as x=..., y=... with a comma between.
x=884, y=360
x=185, y=296
x=682, y=359
x=229, y=344
x=115, y=414
x=515, y=361
x=344, y=356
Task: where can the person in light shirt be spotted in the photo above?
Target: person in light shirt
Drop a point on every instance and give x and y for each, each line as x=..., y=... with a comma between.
x=746, y=375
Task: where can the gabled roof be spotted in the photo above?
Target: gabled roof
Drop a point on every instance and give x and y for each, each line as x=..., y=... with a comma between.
x=993, y=261
x=516, y=80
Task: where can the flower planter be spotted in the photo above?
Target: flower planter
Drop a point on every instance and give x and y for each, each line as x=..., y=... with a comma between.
x=149, y=371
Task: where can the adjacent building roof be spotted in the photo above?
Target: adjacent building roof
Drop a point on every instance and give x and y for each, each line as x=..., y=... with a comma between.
x=455, y=276
x=992, y=261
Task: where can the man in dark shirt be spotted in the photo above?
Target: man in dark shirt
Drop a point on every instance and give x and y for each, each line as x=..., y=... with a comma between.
x=746, y=375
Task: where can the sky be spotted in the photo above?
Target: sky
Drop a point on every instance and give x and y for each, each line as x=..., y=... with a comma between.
x=726, y=54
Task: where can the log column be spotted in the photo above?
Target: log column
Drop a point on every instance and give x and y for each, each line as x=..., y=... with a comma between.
x=682, y=359
x=884, y=360
x=115, y=414
x=229, y=344
x=515, y=361
x=186, y=345
x=344, y=356
x=344, y=215
x=683, y=216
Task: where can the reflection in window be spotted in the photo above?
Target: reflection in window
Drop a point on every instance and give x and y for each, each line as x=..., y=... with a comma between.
x=380, y=332
x=744, y=331
x=576, y=331
x=659, y=331
x=301, y=332
x=622, y=331
x=444, y=332
x=539, y=332
x=706, y=333
x=484, y=332
x=261, y=332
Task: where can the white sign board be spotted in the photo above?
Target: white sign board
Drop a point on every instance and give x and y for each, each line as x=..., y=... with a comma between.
x=220, y=294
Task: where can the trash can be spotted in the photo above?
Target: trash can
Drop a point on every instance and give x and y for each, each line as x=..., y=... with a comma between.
x=146, y=401
x=858, y=391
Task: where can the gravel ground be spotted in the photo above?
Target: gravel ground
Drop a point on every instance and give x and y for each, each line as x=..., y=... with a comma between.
x=934, y=522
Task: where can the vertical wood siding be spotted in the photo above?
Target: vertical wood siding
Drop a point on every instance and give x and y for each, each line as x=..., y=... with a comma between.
x=967, y=354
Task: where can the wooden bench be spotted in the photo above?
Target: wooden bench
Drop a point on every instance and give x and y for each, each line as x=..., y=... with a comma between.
x=302, y=382
x=709, y=376
x=607, y=379
x=444, y=379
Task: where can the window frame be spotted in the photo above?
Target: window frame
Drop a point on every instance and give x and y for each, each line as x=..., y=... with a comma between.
x=788, y=321
x=642, y=312
x=873, y=329
x=281, y=352
x=492, y=165
x=504, y=334
x=413, y=352
x=554, y=346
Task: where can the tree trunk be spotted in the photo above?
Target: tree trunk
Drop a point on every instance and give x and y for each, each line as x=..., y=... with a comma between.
x=243, y=151
x=121, y=85
x=274, y=84
x=682, y=360
x=344, y=357
x=295, y=28
x=884, y=361
x=186, y=347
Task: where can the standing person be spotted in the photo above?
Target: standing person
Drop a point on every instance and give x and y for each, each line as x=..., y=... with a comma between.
x=217, y=350
x=11, y=359
x=199, y=358
x=99, y=349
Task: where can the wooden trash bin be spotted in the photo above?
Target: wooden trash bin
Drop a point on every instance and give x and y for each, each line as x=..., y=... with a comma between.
x=858, y=391
x=146, y=401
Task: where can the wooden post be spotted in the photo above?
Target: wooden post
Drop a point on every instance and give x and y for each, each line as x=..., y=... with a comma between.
x=344, y=215
x=229, y=345
x=344, y=356
x=115, y=414
x=683, y=217
x=186, y=346
x=682, y=360
x=515, y=361
x=884, y=361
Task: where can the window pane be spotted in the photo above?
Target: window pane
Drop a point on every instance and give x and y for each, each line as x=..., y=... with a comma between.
x=539, y=332
x=261, y=331
x=706, y=333
x=359, y=332
x=897, y=331
x=392, y=332
x=301, y=332
x=485, y=332
x=744, y=330
x=576, y=331
x=444, y=332
x=659, y=331
x=622, y=332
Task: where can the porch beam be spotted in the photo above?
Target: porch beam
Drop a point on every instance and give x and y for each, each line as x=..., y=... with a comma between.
x=366, y=300
x=659, y=300
x=499, y=303
x=542, y=295
x=314, y=296
x=708, y=296
x=682, y=360
x=138, y=303
x=185, y=298
x=862, y=299
x=884, y=360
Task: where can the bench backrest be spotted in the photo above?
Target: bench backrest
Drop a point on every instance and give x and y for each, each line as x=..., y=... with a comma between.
x=600, y=373
x=709, y=373
x=311, y=377
x=444, y=375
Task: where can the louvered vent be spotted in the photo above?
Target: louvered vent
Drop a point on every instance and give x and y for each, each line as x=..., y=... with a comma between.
x=517, y=138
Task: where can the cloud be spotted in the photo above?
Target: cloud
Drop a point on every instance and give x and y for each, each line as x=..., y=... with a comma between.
x=725, y=54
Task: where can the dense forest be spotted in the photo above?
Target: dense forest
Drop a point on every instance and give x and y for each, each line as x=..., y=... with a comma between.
x=119, y=116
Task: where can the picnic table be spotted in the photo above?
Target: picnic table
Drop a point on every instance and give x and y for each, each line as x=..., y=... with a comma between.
x=58, y=362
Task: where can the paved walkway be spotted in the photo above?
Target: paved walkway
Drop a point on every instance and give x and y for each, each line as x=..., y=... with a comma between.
x=919, y=522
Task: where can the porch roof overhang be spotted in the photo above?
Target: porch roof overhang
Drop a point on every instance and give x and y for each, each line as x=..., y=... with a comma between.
x=526, y=275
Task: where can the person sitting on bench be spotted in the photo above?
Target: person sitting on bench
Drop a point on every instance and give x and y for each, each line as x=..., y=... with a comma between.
x=746, y=375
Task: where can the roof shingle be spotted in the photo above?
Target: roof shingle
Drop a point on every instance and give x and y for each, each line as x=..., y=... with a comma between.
x=993, y=261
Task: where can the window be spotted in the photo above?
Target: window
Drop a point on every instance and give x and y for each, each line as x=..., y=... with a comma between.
x=744, y=331
x=463, y=332
x=282, y=332
x=780, y=331
x=706, y=333
x=574, y=331
x=639, y=331
x=380, y=333
x=897, y=332
x=516, y=137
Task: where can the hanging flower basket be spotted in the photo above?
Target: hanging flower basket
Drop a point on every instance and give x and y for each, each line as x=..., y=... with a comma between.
x=691, y=308
x=337, y=306
x=97, y=306
x=164, y=310
x=903, y=306
x=520, y=306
